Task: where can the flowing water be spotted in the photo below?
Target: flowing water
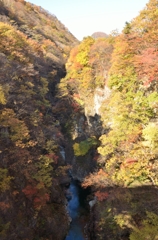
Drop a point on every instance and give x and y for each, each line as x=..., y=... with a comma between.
x=76, y=210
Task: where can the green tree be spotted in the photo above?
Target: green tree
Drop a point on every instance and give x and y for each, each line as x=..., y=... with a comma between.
x=5, y=180
x=80, y=149
x=148, y=230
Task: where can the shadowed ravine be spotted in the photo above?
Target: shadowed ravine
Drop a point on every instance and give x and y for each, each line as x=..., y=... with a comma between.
x=75, y=211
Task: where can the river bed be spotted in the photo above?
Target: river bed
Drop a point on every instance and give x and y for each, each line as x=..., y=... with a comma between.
x=77, y=211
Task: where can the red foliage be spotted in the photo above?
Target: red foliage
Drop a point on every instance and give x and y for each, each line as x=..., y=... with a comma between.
x=54, y=157
x=39, y=197
x=101, y=195
x=147, y=64
x=75, y=106
x=30, y=191
x=41, y=200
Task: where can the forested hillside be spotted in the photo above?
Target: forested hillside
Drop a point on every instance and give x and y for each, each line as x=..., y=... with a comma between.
x=34, y=47
x=97, y=100
x=126, y=177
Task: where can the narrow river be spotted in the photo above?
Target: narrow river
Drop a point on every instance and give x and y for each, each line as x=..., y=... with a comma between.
x=77, y=211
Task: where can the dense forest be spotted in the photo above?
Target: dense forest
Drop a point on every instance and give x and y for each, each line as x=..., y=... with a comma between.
x=33, y=51
x=96, y=99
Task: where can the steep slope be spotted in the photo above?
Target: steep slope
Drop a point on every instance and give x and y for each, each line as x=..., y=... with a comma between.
x=39, y=25
x=34, y=47
x=125, y=180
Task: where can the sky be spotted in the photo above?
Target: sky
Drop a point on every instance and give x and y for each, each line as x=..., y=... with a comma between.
x=84, y=17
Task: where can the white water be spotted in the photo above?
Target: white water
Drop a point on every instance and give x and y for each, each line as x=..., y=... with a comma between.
x=62, y=152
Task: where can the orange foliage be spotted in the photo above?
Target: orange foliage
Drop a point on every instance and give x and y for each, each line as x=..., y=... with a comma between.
x=15, y=193
x=76, y=95
x=128, y=162
x=101, y=172
x=99, y=179
x=4, y=206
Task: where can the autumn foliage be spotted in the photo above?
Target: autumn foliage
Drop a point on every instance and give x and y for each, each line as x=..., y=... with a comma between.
x=39, y=198
x=126, y=63
x=34, y=47
x=33, y=52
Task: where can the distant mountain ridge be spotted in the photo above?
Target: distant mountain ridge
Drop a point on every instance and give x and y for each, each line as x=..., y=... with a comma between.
x=96, y=35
